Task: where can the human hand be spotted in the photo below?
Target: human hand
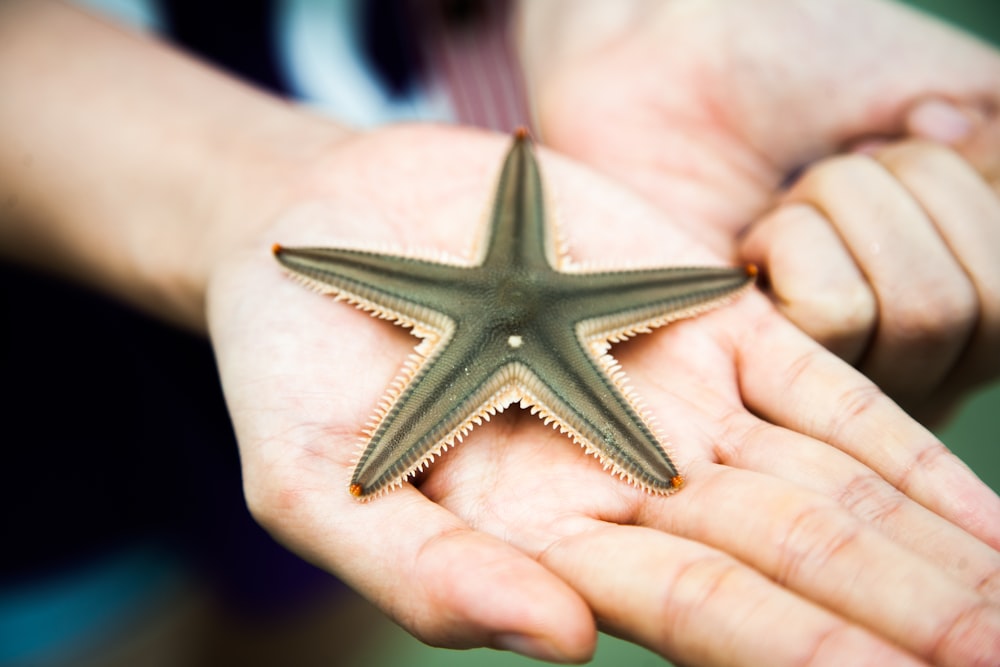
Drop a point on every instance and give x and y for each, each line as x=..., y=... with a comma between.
x=715, y=104
x=813, y=504
x=889, y=259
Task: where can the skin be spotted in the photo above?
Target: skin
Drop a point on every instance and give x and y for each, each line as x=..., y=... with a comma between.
x=813, y=503
x=918, y=293
x=723, y=102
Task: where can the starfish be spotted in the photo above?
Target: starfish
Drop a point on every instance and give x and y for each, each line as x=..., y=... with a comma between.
x=511, y=326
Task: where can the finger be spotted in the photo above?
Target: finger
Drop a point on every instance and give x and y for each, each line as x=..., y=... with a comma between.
x=790, y=381
x=813, y=278
x=696, y=605
x=445, y=583
x=744, y=442
x=927, y=306
x=702, y=420
x=714, y=421
x=966, y=213
x=809, y=544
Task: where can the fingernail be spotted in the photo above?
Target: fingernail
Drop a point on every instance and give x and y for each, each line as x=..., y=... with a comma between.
x=869, y=146
x=531, y=647
x=939, y=120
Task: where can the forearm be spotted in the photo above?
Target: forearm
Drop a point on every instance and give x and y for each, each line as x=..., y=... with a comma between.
x=131, y=167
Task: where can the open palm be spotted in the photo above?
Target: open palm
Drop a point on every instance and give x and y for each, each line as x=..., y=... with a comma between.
x=813, y=504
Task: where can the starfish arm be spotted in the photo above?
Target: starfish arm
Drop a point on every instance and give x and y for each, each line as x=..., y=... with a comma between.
x=586, y=396
x=409, y=291
x=613, y=306
x=446, y=396
x=516, y=235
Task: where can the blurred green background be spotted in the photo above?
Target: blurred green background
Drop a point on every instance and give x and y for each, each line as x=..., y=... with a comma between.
x=973, y=435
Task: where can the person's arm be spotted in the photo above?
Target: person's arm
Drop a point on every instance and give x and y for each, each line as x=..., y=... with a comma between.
x=128, y=166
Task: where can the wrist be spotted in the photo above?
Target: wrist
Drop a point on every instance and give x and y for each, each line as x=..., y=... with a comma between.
x=240, y=175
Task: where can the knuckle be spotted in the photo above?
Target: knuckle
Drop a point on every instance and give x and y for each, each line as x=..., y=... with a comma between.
x=845, y=308
x=942, y=310
x=871, y=499
x=816, y=535
x=806, y=364
x=854, y=306
x=989, y=585
x=852, y=404
x=829, y=178
x=692, y=589
x=738, y=434
x=848, y=644
x=972, y=637
x=930, y=457
x=916, y=156
x=859, y=306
